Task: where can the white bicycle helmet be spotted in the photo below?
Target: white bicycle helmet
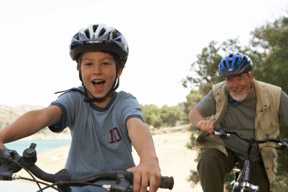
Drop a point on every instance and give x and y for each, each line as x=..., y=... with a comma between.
x=99, y=37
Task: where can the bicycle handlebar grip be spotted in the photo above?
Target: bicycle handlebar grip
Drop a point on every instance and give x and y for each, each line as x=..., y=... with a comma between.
x=5, y=174
x=167, y=182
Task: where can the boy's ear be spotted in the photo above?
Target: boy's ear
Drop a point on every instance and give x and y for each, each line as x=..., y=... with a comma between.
x=119, y=72
x=78, y=66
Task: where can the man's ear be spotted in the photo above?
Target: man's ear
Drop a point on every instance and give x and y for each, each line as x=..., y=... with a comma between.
x=250, y=74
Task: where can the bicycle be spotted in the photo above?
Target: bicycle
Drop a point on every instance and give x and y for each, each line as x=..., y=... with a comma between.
x=241, y=182
x=112, y=181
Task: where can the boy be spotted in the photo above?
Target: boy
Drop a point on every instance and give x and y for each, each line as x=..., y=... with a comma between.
x=103, y=123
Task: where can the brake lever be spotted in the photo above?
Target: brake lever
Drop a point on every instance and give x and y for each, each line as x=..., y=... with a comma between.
x=8, y=165
x=122, y=184
x=284, y=143
x=220, y=132
x=120, y=187
x=10, y=159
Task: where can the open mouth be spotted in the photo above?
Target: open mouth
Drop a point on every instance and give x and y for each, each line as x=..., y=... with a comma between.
x=98, y=81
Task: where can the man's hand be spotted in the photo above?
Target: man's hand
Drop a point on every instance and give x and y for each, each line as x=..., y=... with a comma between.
x=206, y=125
x=146, y=174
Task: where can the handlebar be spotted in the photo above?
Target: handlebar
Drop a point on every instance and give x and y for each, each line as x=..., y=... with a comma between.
x=224, y=133
x=11, y=162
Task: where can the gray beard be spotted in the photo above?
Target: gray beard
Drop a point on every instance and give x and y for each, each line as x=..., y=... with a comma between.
x=239, y=97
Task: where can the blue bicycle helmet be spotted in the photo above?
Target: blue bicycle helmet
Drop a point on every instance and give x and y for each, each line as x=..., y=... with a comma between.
x=234, y=64
x=100, y=37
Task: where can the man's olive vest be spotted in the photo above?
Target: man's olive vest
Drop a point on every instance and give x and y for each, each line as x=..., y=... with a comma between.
x=266, y=122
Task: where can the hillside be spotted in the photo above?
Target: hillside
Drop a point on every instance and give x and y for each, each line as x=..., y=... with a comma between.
x=8, y=113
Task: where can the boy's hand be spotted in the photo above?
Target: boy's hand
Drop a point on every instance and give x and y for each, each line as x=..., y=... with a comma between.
x=146, y=174
x=2, y=147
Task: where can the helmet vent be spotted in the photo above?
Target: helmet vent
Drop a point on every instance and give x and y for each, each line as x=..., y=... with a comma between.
x=236, y=60
x=114, y=34
x=76, y=36
x=94, y=27
x=245, y=60
x=118, y=40
x=87, y=33
x=102, y=32
x=225, y=64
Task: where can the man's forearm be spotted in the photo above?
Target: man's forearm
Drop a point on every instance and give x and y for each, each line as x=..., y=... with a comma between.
x=195, y=116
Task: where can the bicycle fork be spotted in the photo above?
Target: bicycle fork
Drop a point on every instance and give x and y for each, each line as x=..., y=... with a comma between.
x=242, y=183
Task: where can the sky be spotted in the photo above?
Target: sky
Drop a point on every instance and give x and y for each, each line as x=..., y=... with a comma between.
x=164, y=38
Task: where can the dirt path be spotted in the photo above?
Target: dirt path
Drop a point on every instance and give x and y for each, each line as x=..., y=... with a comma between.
x=176, y=159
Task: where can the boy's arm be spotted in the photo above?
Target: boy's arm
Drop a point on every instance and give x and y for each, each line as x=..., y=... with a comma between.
x=29, y=123
x=147, y=173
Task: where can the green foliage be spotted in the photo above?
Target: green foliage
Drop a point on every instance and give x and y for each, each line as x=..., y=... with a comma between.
x=204, y=68
x=272, y=40
x=152, y=115
x=191, y=100
x=170, y=115
x=165, y=116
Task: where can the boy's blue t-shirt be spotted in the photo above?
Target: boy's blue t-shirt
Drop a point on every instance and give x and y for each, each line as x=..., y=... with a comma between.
x=100, y=138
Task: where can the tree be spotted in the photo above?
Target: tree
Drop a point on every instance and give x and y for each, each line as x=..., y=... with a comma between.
x=170, y=115
x=152, y=115
x=191, y=100
x=165, y=116
x=271, y=42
